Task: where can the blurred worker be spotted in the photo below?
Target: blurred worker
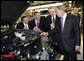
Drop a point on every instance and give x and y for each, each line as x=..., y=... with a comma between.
x=51, y=18
x=24, y=23
x=50, y=24
x=37, y=23
x=30, y=14
x=70, y=42
x=75, y=12
x=69, y=34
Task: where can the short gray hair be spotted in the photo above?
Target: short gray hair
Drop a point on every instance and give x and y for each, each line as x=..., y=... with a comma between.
x=61, y=7
x=52, y=7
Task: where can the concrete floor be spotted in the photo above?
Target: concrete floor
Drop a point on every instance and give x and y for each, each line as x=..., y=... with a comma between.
x=80, y=56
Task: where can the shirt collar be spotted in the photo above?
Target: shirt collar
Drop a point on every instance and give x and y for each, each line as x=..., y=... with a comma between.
x=24, y=23
x=53, y=16
x=65, y=14
x=36, y=20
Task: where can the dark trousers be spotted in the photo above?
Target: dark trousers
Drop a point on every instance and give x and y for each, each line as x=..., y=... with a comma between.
x=70, y=56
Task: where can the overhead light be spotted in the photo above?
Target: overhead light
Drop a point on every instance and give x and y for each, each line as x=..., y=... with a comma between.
x=41, y=9
x=70, y=1
x=44, y=6
x=80, y=12
x=27, y=1
x=36, y=7
x=79, y=8
x=56, y=4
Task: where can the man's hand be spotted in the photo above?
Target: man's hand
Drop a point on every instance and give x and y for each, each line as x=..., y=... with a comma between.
x=36, y=28
x=44, y=34
x=77, y=48
x=52, y=25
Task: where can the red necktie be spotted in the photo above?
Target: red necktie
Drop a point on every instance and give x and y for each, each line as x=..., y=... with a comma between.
x=38, y=24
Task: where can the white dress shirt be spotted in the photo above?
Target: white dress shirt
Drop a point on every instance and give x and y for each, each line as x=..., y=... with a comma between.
x=26, y=26
x=53, y=18
x=36, y=25
x=36, y=21
x=64, y=18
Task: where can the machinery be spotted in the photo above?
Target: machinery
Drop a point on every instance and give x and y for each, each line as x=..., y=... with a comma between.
x=19, y=43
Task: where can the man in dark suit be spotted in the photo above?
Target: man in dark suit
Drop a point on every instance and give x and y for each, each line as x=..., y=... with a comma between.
x=37, y=24
x=76, y=13
x=68, y=34
x=23, y=24
x=51, y=18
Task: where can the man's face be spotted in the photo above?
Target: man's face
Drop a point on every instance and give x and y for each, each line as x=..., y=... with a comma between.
x=75, y=10
x=29, y=13
x=52, y=12
x=25, y=20
x=37, y=16
x=59, y=12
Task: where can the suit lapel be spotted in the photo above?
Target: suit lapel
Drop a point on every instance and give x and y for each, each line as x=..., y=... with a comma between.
x=50, y=19
x=40, y=23
x=34, y=23
x=22, y=25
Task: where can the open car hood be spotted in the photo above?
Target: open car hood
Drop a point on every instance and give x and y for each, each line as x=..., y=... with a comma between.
x=12, y=10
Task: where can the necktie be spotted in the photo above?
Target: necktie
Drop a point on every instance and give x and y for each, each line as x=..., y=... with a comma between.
x=38, y=24
x=53, y=20
x=62, y=24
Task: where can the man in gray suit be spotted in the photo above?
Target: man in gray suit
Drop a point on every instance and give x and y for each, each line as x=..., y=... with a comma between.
x=70, y=39
x=69, y=34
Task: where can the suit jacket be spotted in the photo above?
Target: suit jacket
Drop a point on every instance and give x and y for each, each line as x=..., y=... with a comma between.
x=77, y=16
x=49, y=21
x=53, y=37
x=70, y=35
x=41, y=24
x=20, y=26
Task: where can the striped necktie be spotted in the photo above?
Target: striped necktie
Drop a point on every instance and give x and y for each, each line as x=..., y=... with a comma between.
x=62, y=24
